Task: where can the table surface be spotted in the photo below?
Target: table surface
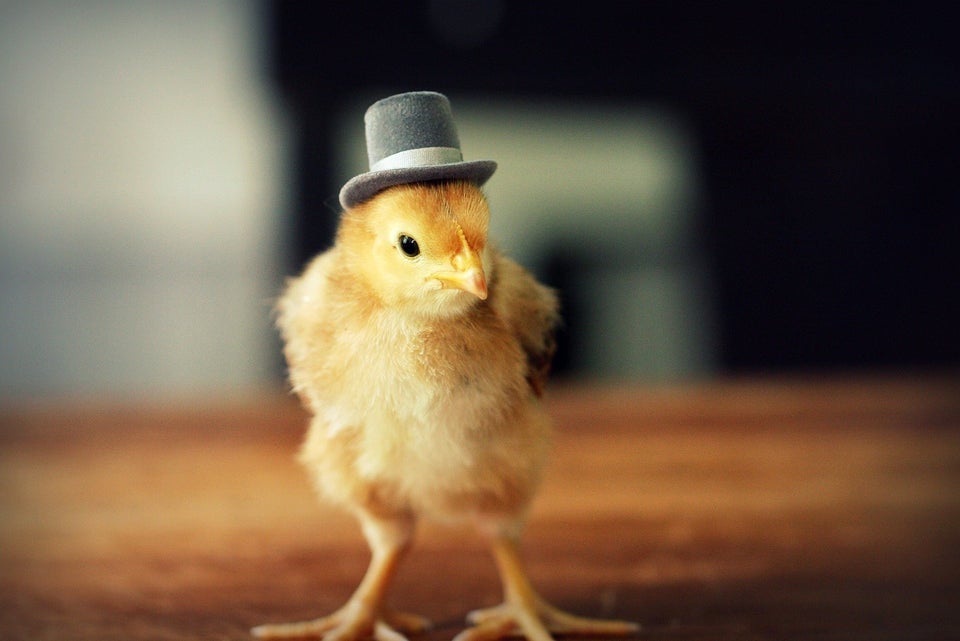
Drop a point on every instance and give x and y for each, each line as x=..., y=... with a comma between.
x=763, y=509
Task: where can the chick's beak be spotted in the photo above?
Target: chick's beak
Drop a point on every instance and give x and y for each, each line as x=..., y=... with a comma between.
x=467, y=274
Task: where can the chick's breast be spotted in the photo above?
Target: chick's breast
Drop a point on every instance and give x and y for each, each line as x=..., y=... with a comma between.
x=431, y=416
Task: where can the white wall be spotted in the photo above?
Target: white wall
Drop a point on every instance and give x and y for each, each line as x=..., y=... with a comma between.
x=142, y=169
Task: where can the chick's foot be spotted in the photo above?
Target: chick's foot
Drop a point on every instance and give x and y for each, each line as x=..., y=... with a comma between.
x=350, y=623
x=537, y=621
x=525, y=613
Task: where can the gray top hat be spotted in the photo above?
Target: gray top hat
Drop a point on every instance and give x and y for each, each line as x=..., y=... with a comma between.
x=411, y=138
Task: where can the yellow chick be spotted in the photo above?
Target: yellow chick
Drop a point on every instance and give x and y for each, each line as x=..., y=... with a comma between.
x=421, y=353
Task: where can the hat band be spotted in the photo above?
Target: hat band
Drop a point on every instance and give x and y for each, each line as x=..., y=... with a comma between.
x=425, y=156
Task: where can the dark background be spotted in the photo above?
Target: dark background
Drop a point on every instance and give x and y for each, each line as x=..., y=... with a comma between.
x=827, y=138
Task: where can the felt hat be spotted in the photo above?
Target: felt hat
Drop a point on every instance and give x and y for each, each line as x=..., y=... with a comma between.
x=411, y=137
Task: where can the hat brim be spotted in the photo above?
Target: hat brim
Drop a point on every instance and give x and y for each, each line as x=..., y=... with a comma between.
x=365, y=186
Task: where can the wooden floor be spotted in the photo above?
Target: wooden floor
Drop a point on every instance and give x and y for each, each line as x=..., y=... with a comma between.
x=744, y=510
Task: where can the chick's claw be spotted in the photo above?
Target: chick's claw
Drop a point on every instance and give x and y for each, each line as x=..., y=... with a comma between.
x=350, y=623
x=537, y=624
x=407, y=622
x=490, y=629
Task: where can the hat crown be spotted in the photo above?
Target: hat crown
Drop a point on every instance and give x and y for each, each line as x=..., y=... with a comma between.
x=410, y=121
x=411, y=138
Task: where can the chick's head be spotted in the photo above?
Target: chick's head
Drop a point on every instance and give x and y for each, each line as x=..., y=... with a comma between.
x=421, y=247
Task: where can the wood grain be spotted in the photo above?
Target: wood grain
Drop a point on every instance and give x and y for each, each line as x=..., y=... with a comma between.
x=823, y=509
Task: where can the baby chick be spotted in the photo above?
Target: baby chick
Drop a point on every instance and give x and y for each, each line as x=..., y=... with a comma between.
x=421, y=353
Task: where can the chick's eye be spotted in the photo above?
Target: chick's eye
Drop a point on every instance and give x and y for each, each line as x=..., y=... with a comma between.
x=409, y=246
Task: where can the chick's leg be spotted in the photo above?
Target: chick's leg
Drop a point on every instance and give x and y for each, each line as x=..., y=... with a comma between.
x=365, y=614
x=525, y=613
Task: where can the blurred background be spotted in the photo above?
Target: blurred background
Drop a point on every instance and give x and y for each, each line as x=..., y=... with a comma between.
x=717, y=189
